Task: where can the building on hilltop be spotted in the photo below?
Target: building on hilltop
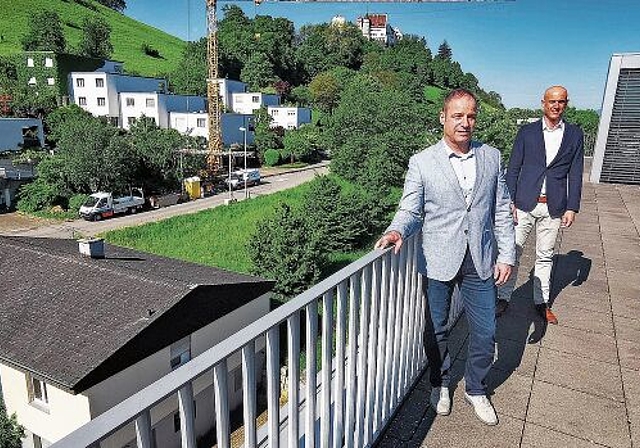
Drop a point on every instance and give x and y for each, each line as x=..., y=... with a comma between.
x=79, y=335
x=376, y=27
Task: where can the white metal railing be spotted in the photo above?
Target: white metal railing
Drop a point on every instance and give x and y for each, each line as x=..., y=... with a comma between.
x=371, y=353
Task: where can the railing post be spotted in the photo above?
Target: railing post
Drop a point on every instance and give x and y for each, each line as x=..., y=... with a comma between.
x=341, y=316
x=363, y=339
x=352, y=380
x=293, y=332
x=223, y=428
x=185, y=408
x=143, y=430
x=312, y=374
x=372, y=347
x=327, y=352
x=249, y=393
x=273, y=385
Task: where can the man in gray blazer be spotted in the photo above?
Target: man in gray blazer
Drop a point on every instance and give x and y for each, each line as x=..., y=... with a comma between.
x=455, y=193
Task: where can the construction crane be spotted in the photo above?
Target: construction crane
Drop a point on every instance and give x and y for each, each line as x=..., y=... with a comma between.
x=213, y=90
x=215, y=148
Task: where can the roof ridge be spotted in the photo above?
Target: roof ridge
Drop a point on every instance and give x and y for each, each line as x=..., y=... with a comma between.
x=69, y=258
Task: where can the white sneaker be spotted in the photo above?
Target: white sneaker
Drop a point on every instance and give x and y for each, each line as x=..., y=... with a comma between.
x=483, y=408
x=440, y=400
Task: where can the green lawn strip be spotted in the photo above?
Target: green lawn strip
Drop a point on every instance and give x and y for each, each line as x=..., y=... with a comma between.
x=215, y=237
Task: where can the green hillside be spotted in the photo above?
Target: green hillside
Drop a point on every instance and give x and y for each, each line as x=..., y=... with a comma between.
x=127, y=35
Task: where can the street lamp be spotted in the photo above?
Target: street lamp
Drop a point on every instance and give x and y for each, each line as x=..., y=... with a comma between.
x=245, y=175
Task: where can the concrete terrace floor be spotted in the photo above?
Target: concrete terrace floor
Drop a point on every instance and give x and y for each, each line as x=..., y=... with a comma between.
x=576, y=384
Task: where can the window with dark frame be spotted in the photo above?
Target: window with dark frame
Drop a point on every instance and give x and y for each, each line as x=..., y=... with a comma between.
x=102, y=101
x=202, y=122
x=79, y=82
x=99, y=82
x=82, y=101
x=130, y=102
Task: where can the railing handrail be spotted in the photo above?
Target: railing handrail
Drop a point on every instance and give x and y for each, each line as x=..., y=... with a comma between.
x=130, y=408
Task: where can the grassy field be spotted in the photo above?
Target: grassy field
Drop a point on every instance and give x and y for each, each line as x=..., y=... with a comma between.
x=127, y=35
x=216, y=237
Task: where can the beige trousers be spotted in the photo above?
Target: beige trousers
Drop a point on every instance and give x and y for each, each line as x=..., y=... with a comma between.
x=546, y=234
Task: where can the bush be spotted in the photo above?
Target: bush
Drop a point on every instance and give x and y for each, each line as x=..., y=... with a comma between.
x=271, y=157
x=150, y=51
x=76, y=201
x=39, y=195
x=285, y=155
x=286, y=248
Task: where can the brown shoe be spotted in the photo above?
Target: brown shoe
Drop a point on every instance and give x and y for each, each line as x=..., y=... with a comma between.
x=501, y=307
x=546, y=314
x=550, y=317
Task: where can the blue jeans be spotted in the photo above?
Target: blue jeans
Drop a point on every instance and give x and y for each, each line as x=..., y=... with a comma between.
x=479, y=297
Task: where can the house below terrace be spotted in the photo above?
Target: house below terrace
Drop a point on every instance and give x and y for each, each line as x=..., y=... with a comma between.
x=80, y=334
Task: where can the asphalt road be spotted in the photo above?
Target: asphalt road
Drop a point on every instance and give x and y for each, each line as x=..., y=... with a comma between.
x=81, y=228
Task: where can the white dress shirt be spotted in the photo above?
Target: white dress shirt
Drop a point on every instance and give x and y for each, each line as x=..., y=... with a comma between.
x=464, y=165
x=552, y=141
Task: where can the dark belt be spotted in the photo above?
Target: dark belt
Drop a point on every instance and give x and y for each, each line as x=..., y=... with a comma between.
x=542, y=199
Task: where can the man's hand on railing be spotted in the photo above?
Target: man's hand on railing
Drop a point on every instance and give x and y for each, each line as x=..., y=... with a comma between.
x=392, y=238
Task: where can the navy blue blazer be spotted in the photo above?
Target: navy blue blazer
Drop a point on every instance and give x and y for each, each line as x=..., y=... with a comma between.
x=528, y=168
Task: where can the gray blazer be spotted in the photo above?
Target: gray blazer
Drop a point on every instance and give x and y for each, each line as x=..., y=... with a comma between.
x=432, y=199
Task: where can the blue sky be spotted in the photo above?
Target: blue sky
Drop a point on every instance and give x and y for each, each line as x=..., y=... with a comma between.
x=516, y=48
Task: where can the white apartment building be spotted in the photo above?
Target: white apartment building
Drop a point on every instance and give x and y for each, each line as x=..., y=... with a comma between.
x=289, y=117
x=197, y=125
x=157, y=106
x=99, y=92
x=249, y=102
x=96, y=331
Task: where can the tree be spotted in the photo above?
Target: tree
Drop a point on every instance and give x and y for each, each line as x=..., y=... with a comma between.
x=373, y=132
x=264, y=136
x=45, y=33
x=156, y=152
x=116, y=5
x=444, y=51
x=285, y=248
x=258, y=72
x=96, y=38
x=189, y=77
x=302, y=143
x=11, y=433
x=325, y=90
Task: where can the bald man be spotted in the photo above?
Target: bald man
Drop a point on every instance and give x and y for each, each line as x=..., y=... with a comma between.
x=544, y=178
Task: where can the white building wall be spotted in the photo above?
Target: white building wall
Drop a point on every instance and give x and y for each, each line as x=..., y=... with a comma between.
x=156, y=106
x=87, y=93
x=289, y=117
x=11, y=132
x=227, y=88
x=66, y=412
x=108, y=393
x=133, y=105
x=249, y=102
x=197, y=125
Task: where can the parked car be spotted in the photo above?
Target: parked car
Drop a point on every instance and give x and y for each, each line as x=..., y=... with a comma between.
x=238, y=177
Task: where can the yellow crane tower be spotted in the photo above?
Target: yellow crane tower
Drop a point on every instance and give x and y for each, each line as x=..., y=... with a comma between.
x=213, y=90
